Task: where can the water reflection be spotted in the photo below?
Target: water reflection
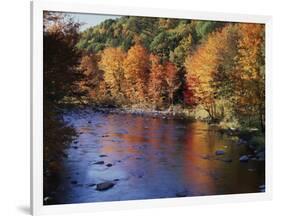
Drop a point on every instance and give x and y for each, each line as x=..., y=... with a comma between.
x=151, y=157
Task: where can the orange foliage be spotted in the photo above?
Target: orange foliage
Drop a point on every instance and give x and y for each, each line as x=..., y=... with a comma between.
x=112, y=64
x=249, y=74
x=156, y=81
x=136, y=68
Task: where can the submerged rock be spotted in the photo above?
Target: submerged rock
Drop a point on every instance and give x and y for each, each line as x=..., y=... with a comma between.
x=109, y=165
x=220, y=152
x=105, y=135
x=104, y=186
x=244, y=158
x=103, y=155
x=99, y=163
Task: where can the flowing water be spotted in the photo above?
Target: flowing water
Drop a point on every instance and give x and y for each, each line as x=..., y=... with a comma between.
x=149, y=157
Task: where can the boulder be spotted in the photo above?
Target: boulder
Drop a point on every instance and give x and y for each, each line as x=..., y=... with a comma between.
x=99, y=162
x=104, y=186
x=103, y=155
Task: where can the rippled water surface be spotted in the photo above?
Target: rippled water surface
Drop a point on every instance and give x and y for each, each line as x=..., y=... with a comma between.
x=150, y=157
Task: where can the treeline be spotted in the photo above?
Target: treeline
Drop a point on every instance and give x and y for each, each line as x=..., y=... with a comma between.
x=158, y=63
x=140, y=61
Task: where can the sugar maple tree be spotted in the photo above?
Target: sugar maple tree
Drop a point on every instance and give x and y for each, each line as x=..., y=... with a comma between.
x=136, y=69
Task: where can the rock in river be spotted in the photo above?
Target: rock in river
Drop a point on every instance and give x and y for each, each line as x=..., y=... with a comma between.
x=103, y=155
x=220, y=152
x=244, y=158
x=99, y=162
x=104, y=186
x=109, y=165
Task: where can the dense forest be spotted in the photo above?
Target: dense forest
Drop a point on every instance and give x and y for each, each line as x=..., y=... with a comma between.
x=159, y=63
x=208, y=70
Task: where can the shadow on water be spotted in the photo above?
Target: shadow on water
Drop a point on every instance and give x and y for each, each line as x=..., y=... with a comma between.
x=127, y=157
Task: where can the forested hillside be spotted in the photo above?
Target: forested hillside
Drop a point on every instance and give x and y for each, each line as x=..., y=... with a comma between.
x=161, y=63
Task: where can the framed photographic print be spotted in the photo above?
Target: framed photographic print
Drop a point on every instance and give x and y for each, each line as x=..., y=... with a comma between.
x=143, y=107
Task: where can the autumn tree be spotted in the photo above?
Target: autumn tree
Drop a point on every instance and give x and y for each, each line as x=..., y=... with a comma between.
x=156, y=84
x=136, y=69
x=111, y=63
x=207, y=63
x=93, y=82
x=249, y=74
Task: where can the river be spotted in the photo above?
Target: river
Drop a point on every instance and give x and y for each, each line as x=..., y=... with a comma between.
x=146, y=157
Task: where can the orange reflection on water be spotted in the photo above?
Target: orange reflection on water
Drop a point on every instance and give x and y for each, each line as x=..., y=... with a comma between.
x=199, y=172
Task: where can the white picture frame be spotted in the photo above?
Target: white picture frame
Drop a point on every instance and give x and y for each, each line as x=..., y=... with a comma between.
x=37, y=8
